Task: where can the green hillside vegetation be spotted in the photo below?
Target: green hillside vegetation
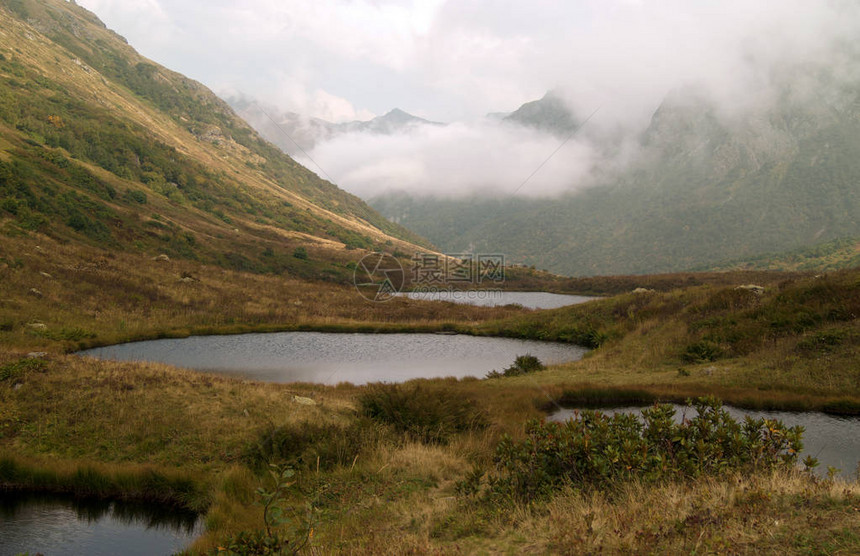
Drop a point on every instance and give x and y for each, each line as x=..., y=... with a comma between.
x=832, y=255
x=104, y=147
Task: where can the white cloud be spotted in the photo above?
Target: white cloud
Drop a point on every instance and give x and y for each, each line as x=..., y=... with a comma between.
x=451, y=60
x=455, y=160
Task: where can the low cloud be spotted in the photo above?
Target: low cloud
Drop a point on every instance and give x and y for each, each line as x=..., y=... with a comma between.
x=484, y=157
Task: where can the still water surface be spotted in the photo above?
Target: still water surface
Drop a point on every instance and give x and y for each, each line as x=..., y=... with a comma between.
x=55, y=525
x=833, y=439
x=330, y=358
x=493, y=298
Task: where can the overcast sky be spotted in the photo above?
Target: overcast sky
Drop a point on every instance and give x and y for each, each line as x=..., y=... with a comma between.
x=456, y=60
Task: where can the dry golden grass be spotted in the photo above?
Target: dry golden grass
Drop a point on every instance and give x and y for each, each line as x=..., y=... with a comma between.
x=94, y=297
x=87, y=409
x=396, y=496
x=772, y=513
x=399, y=496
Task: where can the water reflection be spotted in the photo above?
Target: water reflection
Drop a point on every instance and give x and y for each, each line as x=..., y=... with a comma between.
x=496, y=298
x=52, y=524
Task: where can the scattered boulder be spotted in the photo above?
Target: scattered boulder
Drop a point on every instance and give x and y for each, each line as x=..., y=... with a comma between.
x=37, y=326
x=186, y=277
x=35, y=293
x=643, y=290
x=37, y=354
x=212, y=134
x=46, y=275
x=758, y=290
x=304, y=401
x=161, y=258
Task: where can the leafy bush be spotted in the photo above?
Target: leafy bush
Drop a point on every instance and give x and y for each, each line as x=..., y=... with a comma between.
x=823, y=341
x=17, y=369
x=596, y=450
x=523, y=364
x=429, y=415
x=137, y=196
x=72, y=334
x=301, y=253
x=286, y=530
x=702, y=350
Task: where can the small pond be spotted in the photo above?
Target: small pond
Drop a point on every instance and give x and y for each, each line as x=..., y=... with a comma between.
x=330, y=358
x=58, y=525
x=494, y=298
x=834, y=440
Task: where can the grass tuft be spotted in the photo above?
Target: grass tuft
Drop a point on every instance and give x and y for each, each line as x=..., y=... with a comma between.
x=427, y=414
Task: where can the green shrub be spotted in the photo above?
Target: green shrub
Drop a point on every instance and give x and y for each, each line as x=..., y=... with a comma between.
x=72, y=334
x=823, y=341
x=523, y=364
x=286, y=529
x=137, y=196
x=702, y=350
x=599, y=451
x=301, y=253
x=429, y=415
x=20, y=368
x=10, y=205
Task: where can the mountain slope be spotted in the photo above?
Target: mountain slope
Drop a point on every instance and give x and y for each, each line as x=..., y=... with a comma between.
x=831, y=255
x=104, y=147
x=549, y=114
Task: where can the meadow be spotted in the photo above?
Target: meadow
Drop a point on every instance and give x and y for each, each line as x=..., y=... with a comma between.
x=418, y=467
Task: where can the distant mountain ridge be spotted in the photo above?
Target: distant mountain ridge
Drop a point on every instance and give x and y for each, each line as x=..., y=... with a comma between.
x=292, y=131
x=706, y=187
x=703, y=183
x=550, y=114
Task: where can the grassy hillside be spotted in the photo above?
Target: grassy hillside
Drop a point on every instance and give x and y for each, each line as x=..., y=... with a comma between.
x=104, y=147
x=795, y=344
x=412, y=468
x=831, y=255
